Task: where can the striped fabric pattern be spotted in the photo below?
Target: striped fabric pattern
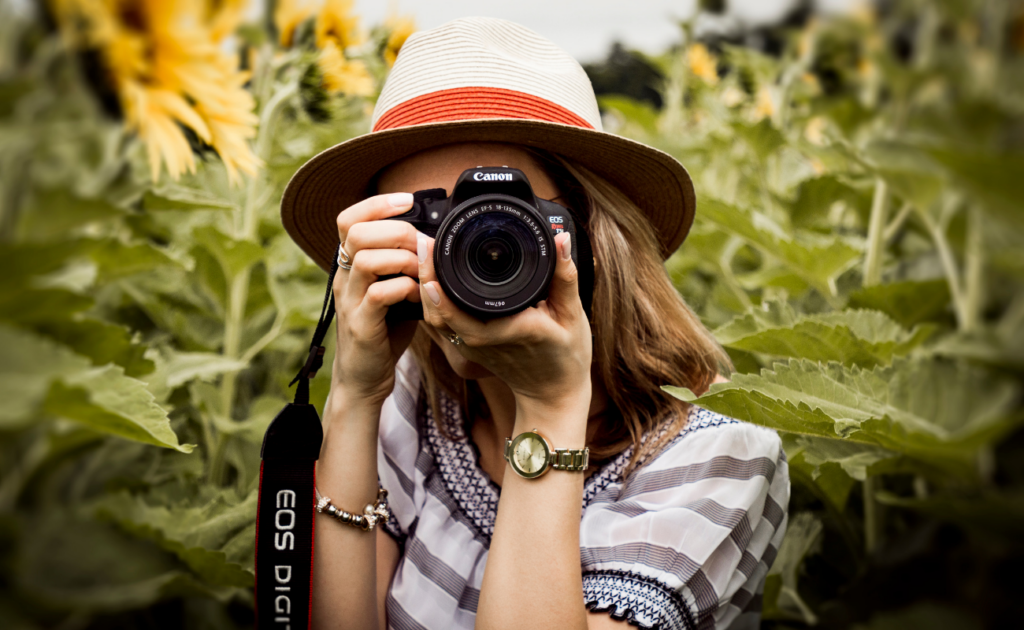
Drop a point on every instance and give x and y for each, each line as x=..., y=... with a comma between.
x=685, y=542
x=479, y=52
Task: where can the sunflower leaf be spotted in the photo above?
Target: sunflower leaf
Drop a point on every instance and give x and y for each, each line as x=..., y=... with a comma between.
x=197, y=535
x=938, y=412
x=815, y=258
x=861, y=337
x=108, y=401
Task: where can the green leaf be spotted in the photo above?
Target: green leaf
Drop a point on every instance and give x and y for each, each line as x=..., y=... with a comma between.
x=939, y=412
x=633, y=111
x=781, y=597
x=817, y=259
x=911, y=173
x=108, y=401
x=856, y=460
x=233, y=255
x=116, y=259
x=72, y=563
x=100, y=341
x=182, y=367
x=28, y=366
x=994, y=179
x=54, y=212
x=861, y=337
x=169, y=196
x=763, y=138
x=814, y=199
x=909, y=302
x=195, y=534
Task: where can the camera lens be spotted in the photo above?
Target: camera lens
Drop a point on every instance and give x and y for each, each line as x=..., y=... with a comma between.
x=494, y=258
x=497, y=255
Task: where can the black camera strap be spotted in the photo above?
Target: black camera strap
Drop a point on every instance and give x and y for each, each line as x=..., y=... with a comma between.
x=284, y=514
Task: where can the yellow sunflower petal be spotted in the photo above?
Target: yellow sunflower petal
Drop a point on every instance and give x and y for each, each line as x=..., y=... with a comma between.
x=287, y=17
x=336, y=22
x=702, y=63
x=344, y=75
x=401, y=29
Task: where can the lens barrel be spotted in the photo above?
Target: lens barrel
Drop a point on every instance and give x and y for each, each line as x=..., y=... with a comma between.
x=494, y=255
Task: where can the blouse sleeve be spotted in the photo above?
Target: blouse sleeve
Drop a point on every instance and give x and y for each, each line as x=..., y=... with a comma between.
x=687, y=540
x=398, y=449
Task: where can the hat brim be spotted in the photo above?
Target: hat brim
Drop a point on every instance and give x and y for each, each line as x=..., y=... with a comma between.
x=339, y=177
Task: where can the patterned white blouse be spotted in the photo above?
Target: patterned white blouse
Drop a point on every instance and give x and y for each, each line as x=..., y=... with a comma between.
x=685, y=542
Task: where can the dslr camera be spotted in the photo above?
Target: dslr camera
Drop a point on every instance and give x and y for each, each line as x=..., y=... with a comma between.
x=494, y=248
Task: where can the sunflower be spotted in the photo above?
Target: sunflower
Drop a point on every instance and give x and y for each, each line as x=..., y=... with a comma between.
x=288, y=15
x=167, y=62
x=400, y=30
x=336, y=29
x=702, y=63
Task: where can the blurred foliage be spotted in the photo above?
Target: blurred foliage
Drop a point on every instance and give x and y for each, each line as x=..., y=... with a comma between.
x=858, y=250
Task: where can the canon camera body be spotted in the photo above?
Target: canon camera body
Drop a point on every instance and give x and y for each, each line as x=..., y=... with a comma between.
x=494, y=248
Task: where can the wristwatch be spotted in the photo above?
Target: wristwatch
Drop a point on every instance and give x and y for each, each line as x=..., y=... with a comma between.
x=531, y=455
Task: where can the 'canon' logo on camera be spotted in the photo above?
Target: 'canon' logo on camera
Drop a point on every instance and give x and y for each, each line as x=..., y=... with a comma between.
x=492, y=177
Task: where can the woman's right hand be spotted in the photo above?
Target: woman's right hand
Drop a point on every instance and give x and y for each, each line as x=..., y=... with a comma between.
x=367, y=350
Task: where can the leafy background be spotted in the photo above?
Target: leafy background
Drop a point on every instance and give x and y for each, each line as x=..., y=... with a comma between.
x=857, y=249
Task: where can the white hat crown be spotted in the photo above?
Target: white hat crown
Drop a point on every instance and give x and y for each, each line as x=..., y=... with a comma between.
x=464, y=68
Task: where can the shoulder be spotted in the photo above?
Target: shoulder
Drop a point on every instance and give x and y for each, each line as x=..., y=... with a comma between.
x=708, y=436
x=687, y=538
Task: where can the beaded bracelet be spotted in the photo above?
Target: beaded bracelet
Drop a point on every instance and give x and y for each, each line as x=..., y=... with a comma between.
x=372, y=514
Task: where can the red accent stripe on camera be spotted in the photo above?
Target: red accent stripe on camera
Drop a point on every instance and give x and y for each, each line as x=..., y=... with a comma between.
x=476, y=102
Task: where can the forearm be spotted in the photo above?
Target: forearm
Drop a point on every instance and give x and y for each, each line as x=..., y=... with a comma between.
x=533, y=575
x=344, y=557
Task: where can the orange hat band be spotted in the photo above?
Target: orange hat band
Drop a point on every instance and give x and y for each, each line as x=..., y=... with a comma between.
x=476, y=102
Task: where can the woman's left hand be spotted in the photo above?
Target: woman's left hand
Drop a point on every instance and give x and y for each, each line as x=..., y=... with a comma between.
x=542, y=353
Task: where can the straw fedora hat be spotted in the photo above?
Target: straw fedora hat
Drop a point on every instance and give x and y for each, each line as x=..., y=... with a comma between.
x=483, y=80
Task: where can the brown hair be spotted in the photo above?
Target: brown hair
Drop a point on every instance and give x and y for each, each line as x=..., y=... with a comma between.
x=645, y=335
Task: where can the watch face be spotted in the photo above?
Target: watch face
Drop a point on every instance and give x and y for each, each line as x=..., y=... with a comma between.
x=529, y=454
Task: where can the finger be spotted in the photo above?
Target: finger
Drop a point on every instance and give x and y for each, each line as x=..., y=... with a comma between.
x=380, y=235
x=440, y=312
x=564, y=293
x=379, y=297
x=369, y=264
x=372, y=209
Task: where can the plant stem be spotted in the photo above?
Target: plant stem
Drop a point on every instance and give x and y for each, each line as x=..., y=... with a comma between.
x=949, y=267
x=897, y=222
x=245, y=229
x=725, y=264
x=876, y=232
x=974, y=267
x=871, y=523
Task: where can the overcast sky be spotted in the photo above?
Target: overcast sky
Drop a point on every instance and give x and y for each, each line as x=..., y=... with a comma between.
x=585, y=28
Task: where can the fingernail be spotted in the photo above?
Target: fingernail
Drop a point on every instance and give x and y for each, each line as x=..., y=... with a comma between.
x=421, y=248
x=435, y=297
x=400, y=200
x=567, y=249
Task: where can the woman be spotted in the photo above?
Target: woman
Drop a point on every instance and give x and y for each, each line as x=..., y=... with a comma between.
x=679, y=514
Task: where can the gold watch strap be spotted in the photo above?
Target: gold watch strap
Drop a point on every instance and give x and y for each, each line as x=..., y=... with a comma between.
x=570, y=459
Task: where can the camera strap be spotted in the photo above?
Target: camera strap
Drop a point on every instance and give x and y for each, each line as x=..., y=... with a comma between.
x=284, y=513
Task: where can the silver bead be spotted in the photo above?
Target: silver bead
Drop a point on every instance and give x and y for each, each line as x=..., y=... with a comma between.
x=345, y=517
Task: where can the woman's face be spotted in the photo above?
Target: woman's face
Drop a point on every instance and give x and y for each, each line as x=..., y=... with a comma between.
x=440, y=168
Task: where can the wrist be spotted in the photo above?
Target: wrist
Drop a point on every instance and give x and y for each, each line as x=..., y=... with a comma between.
x=563, y=420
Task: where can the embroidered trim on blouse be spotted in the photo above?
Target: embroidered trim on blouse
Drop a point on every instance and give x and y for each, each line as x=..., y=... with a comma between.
x=476, y=494
x=641, y=601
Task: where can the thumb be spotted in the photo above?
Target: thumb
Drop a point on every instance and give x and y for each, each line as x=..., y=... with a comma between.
x=564, y=291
